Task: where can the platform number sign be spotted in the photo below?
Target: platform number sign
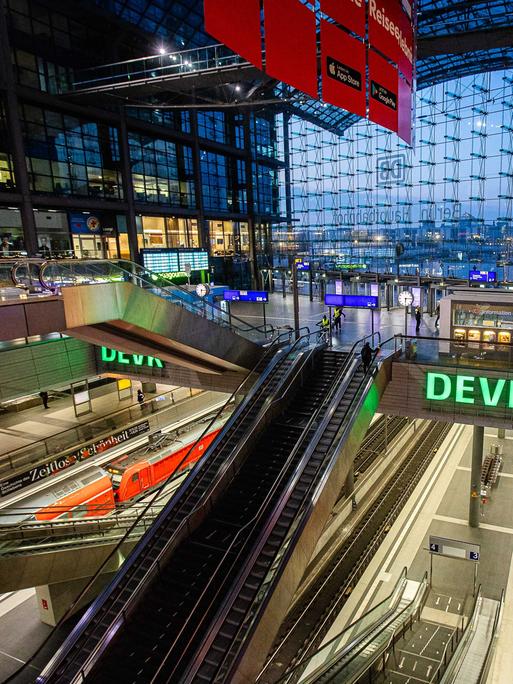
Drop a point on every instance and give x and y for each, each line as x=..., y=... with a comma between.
x=434, y=548
x=473, y=555
x=454, y=548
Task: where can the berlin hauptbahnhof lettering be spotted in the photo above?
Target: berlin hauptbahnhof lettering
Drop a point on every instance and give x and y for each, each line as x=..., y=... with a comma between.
x=469, y=389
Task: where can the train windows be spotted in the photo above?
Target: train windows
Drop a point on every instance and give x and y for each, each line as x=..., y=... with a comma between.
x=135, y=477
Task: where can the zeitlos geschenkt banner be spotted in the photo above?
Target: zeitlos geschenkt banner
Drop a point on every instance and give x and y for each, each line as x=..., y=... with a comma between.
x=358, y=37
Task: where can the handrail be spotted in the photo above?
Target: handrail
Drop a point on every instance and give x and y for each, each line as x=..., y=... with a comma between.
x=328, y=406
x=269, y=352
x=381, y=624
x=73, y=637
x=144, y=275
x=130, y=603
x=455, y=661
x=483, y=673
x=334, y=389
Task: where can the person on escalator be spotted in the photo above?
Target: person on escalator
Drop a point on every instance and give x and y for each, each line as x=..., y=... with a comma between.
x=366, y=354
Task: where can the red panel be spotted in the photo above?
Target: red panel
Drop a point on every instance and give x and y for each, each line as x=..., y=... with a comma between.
x=383, y=95
x=290, y=44
x=343, y=69
x=391, y=32
x=237, y=25
x=348, y=13
x=405, y=122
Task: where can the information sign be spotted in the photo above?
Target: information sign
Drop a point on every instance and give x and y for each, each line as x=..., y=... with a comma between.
x=246, y=296
x=453, y=548
x=352, y=301
x=482, y=276
x=302, y=265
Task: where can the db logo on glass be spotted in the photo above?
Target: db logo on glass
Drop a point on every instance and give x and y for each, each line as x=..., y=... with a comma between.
x=391, y=169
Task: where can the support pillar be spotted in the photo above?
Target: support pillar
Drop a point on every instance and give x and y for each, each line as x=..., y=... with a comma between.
x=126, y=172
x=349, y=483
x=501, y=433
x=54, y=600
x=475, y=476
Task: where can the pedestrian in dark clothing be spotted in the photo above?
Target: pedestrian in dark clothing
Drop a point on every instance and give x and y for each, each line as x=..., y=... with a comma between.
x=437, y=321
x=366, y=354
x=44, y=397
x=140, y=397
x=418, y=318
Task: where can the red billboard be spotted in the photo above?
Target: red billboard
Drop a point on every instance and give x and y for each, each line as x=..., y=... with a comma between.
x=383, y=92
x=291, y=44
x=391, y=32
x=348, y=13
x=236, y=24
x=343, y=69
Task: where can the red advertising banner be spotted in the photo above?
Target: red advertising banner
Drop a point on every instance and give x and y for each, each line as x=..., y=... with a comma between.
x=391, y=32
x=236, y=24
x=405, y=114
x=348, y=13
x=290, y=44
x=383, y=92
x=343, y=69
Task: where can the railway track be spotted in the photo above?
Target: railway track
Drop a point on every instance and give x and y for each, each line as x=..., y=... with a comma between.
x=375, y=442
x=309, y=621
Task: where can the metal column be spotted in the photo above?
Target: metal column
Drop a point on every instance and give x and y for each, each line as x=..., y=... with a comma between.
x=126, y=170
x=475, y=476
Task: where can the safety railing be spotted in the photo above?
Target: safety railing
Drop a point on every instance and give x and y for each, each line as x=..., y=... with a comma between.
x=485, y=669
x=244, y=386
x=64, y=273
x=156, y=410
x=334, y=396
x=164, y=65
x=350, y=654
x=154, y=569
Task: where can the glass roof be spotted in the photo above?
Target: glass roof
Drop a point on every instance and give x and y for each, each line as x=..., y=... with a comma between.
x=178, y=24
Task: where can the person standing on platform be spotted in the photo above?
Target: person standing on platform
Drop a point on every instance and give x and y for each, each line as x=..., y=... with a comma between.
x=44, y=397
x=324, y=325
x=140, y=398
x=437, y=321
x=337, y=319
x=418, y=318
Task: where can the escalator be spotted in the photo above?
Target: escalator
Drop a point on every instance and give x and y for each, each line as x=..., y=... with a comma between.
x=186, y=602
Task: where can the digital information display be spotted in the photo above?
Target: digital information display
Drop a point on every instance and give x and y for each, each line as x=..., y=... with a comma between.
x=352, y=301
x=482, y=276
x=173, y=261
x=302, y=265
x=246, y=296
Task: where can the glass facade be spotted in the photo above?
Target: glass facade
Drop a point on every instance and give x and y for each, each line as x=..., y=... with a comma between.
x=162, y=171
x=7, y=182
x=222, y=127
x=170, y=232
x=70, y=156
x=229, y=238
x=448, y=201
x=223, y=183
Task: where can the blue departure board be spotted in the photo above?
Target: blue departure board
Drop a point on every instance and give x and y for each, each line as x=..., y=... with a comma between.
x=365, y=301
x=246, y=296
x=482, y=276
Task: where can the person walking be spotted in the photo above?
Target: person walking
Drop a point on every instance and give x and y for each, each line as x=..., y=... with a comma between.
x=44, y=397
x=140, y=398
x=418, y=318
x=437, y=321
x=366, y=355
x=324, y=327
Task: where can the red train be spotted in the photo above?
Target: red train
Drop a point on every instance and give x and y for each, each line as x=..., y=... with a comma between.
x=96, y=491
x=132, y=475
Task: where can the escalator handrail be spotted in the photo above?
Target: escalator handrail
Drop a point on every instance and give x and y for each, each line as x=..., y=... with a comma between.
x=382, y=625
x=197, y=306
x=328, y=406
x=269, y=353
x=101, y=599
x=483, y=673
x=338, y=390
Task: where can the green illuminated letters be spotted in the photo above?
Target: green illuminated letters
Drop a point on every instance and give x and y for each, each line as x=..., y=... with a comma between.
x=469, y=389
x=110, y=355
x=431, y=386
x=464, y=384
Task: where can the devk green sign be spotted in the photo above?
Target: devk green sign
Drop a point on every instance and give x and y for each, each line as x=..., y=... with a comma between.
x=112, y=355
x=469, y=389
